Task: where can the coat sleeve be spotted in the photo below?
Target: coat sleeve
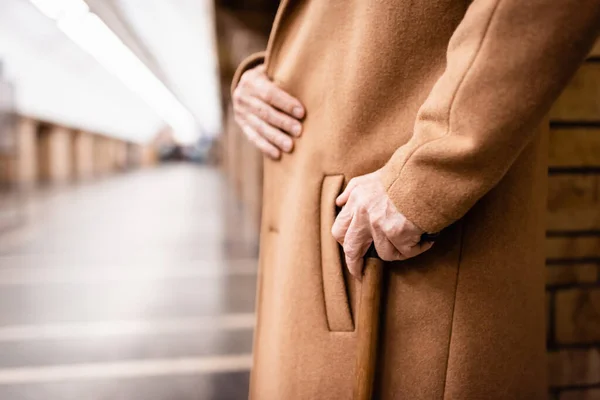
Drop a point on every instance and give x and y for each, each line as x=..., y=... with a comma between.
x=507, y=62
x=249, y=62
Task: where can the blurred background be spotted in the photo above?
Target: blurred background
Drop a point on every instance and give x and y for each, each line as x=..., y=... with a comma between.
x=130, y=202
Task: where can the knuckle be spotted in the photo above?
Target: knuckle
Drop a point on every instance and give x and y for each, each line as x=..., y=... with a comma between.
x=262, y=112
x=360, y=210
x=265, y=115
x=268, y=94
x=248, y=76
x=410, y=252
x=277, y=138
x=261, y=129
x=358, y=179
x=266, y=132
x=279, y=121
x=351, y=253
x=237, y=97
x=244, y=81
x=263, y=146
x=278, y=141
x=251, y=138
x=337, y=233
x=375, y=219
x=387, y=256
x=387, y=227
x=257, y=87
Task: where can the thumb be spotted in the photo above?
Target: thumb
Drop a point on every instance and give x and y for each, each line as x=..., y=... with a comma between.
x=342, y=199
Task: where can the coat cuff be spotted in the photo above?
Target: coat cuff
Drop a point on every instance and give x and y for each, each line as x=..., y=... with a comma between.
x=410, y=200
x=249, y=62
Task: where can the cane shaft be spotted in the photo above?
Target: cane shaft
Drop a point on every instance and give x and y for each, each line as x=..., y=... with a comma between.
x=368, y=329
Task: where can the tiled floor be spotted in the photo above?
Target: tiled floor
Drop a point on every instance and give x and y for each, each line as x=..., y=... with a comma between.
x=122, y=289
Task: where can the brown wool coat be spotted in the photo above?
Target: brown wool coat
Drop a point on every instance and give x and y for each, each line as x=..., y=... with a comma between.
x=445, y=95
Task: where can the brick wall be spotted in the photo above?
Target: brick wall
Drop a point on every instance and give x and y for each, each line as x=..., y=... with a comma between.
x=573, y=239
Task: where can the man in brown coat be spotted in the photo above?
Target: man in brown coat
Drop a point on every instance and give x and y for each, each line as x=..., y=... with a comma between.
x=431, y=115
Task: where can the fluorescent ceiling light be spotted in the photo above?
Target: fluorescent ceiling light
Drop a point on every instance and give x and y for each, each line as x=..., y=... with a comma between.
x=58, y=9
x=90, y=33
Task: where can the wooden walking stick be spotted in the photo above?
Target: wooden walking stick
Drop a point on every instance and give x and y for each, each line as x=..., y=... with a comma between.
x=367, y=325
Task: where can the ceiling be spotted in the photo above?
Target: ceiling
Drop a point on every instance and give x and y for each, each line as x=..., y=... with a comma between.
x=56, y=80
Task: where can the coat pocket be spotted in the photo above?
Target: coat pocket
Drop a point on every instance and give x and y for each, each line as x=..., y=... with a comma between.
x=337, y=308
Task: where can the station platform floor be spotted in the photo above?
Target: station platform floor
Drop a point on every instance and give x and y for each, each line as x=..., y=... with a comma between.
x=135, y=286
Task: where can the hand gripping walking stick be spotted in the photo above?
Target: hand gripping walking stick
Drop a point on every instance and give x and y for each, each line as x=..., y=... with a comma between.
x=367, y=325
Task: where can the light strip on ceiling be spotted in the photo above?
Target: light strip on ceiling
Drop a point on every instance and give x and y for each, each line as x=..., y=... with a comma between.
x=89, y=32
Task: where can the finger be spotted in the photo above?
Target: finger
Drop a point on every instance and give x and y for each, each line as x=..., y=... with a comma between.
x=410, y=252
x=356, y=244
x=277, y=97
x=261, y=143
x=343, y=220
x=342, y=199
x=275, y=118
x=273, y=135
x=341, y=224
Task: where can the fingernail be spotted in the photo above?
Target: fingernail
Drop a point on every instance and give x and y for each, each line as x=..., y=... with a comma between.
x=287, y=145
x=297, y=112
x=297, y=129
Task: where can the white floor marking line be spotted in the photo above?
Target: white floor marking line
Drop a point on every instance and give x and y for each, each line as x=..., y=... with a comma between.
x=83, y=330
x=126, y=369
x=26, y=276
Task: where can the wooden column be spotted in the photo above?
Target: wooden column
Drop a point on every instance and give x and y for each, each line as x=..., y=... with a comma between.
x=120, y=155
x=83, y=155
x=148, y=156
x=102, y=155
x=26, y=160
x=55, y=153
